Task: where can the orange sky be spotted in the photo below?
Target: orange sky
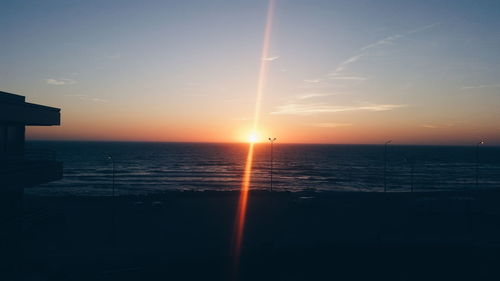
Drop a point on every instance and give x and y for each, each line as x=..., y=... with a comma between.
x=329, y=72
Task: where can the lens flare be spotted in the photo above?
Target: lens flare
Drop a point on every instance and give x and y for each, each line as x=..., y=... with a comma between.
x=242, y=204
x=253, y=138
x=247, y=173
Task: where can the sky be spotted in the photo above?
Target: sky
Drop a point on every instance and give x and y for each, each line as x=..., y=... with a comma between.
x=416, y=72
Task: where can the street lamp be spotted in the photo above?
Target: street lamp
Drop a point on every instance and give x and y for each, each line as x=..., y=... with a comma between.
x=411, y=161
x=113, y=212
x=477, y=162
x=385, y=164
x=112, y=175
x=272, y=140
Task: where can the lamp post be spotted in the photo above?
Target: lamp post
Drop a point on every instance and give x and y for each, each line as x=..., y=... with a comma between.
x=112, y=175
x=112, y=199
x=477, y=162
x=271, y=140
x=410, y=161
x=385, y=164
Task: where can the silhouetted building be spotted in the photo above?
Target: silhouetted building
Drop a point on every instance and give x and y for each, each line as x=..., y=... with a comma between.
x=20, y=168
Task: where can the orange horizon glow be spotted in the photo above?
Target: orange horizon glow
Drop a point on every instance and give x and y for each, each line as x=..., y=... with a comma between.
x=365, y=135
x=217, y=74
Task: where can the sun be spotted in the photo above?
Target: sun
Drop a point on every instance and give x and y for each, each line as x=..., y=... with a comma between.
x=253, y=138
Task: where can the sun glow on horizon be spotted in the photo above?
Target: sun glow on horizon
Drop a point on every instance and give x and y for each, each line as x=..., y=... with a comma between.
x=253, y=138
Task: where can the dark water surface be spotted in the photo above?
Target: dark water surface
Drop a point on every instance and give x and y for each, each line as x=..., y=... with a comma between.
x=155, y=167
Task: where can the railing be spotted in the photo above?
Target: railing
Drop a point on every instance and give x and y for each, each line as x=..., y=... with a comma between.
x=399, y=176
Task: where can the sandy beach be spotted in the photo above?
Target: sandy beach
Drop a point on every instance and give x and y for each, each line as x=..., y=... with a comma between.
x=288, y=236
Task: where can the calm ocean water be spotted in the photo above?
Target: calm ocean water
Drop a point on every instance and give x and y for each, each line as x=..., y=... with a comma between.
x=156, y=167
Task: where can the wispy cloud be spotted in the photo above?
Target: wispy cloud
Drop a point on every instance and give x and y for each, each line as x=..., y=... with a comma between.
x=98, y=100
x=315, y=86
x=331, y=125
x=351, y=78
x=270, y=58
x=363, y=51
x=481, y=86
x=342, y=66
x=390, y=39
x=339, y=77
x=87, y=98
x=442, y=125
x=60, y=82
x=384, y=41
x=320, y=108
x=77, y=96
x=429, y=126
x=314, y=95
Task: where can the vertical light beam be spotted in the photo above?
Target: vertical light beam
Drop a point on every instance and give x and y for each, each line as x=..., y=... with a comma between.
x=242, y=204
x=264, y=59
x=247, y=173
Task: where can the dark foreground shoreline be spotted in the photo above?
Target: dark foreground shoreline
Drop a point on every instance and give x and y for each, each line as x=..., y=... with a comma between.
x=288, y=236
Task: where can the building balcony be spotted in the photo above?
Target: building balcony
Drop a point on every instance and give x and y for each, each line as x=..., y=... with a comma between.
x=14, y=109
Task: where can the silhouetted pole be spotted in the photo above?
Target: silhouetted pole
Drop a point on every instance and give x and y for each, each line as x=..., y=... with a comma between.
x=410, y=161
x=272, y=140
x=385, y=164
x=477, y=162
x=112, y=198
x=112, y=177
x=412, y=168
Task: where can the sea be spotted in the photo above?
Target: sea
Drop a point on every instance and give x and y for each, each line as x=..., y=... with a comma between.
x=146, y=168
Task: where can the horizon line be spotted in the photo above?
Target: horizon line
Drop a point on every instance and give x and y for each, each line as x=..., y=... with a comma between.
x=263, y=142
